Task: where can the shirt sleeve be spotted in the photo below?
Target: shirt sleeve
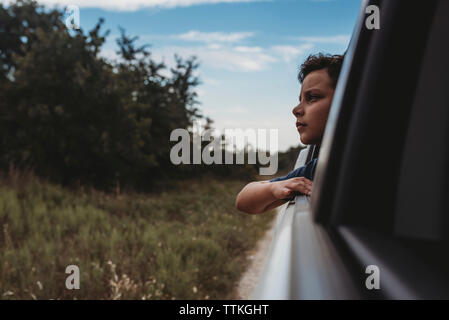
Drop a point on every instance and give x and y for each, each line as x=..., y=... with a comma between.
x=307, y=171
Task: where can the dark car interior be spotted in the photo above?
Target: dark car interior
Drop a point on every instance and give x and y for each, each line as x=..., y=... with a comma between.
x=381, y=190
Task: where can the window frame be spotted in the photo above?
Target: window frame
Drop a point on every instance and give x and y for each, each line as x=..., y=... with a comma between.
x=334, y=194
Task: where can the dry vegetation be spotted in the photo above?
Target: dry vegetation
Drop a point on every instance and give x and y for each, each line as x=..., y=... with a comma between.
x=187, y=243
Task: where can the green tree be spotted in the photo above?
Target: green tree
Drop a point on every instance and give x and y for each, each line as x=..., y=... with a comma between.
x=73, y=116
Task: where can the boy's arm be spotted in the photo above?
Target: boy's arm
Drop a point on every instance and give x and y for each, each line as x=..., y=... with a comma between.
x=255, y=197
x=261, y=196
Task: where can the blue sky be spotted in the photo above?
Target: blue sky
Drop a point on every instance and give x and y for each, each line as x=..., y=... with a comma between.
x=249, y=51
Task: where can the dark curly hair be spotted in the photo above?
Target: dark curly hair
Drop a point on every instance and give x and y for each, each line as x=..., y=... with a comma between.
x=320, y=61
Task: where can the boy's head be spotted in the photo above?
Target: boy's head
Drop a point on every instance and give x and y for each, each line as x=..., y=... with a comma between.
x=318, y=76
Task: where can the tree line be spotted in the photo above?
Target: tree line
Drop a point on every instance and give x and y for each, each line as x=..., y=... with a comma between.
x=76, y=118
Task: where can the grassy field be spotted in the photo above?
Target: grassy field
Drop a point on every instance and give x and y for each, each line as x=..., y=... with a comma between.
x=187, y=243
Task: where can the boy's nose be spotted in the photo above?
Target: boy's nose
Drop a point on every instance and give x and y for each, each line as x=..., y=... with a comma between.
x=298, y=111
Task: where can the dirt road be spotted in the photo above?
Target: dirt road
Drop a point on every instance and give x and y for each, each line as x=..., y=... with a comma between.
x=257, y=257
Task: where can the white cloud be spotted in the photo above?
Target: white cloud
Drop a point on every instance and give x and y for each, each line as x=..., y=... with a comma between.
x=218, y=50
x=232, y=110
x=244, y=49
x=288, y=53
x=208, y=37
x=200, y=92
x=109, y=54
x=337, y=39
x=210, y=81
x=132, y=5
x=224, y=57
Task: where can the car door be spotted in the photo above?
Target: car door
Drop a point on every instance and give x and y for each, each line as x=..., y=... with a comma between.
x=299, y=256
x=377, y=223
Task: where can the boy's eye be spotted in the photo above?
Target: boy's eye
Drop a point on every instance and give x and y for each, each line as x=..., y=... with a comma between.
x=312, y=97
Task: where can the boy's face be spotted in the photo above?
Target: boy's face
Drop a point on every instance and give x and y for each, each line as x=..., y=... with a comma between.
x=314, y=104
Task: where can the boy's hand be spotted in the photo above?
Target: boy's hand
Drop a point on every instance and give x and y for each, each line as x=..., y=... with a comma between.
x=288, y=188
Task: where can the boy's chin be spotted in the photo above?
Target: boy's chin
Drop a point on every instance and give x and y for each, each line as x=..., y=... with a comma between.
x=307, y=140
x=304, y=140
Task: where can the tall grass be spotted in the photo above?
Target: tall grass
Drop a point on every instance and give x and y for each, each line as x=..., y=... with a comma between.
x=186, y=243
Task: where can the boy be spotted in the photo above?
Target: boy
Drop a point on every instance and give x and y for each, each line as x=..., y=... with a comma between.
x=318, y=76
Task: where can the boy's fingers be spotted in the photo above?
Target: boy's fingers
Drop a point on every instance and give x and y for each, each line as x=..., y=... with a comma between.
x=287, y=192
x=302, y=185
x=301, y=188
x=306, y=182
